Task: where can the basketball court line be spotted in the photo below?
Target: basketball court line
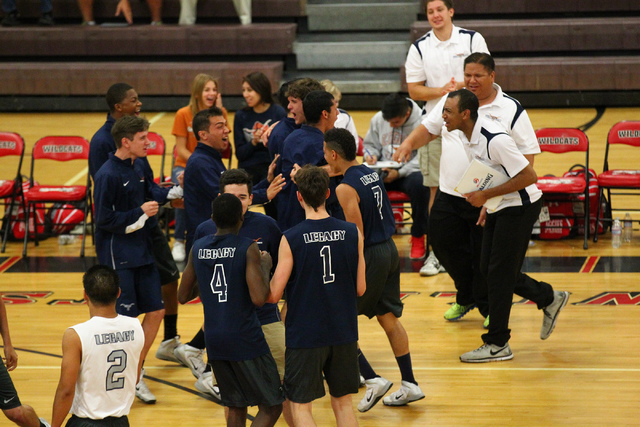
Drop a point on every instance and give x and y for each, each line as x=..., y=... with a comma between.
x=84, y=171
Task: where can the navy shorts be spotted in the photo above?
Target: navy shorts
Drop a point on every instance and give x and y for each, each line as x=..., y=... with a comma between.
x=8, y=394
x=304, y=369
x=383, y=281
x=165, y=264
x=75, y=421
x=140, y=291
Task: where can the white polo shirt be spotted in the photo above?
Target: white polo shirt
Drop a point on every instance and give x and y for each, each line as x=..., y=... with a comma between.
x=435, y=62
x=491, y=145
x=504, y=111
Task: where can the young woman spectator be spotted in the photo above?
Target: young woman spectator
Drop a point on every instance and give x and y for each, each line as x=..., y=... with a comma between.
x=204, y=94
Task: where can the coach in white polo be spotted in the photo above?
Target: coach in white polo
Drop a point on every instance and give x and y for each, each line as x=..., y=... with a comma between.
x=434, y=67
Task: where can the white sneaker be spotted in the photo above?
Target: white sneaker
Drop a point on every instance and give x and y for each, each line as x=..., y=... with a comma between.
x=376, y=389
x=205, y=384
x=44, y=422
x=431, y=266
x=488, y=353
x=178, y=251
x=142, y=391
x=362, y=383
x=191, y=357
x=551, y=312
x=165, y=349
x=408, y=393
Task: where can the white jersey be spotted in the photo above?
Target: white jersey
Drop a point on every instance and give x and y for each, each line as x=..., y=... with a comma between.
x=504, y=111
x=435, y=62
x=491, y=145
x=106, y=384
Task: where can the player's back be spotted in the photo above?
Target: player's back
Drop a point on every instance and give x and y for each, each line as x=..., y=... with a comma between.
x=232, y=329
x=377, y=216
x=322, y=289
x=108, y=376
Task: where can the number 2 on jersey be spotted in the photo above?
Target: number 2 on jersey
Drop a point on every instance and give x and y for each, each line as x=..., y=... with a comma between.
x=328, y=276
x=120, y=357
x=219, y=283
x=377, y=193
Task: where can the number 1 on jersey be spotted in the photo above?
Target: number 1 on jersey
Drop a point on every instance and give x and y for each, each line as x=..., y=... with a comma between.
x=328, y=276
x=219, y=283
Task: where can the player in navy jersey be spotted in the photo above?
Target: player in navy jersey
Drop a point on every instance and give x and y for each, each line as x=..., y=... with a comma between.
x=321, y=264
x=234, y=279
x=263, y=230
x=366, y=204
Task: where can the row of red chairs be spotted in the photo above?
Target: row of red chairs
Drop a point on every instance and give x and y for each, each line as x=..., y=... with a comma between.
x=627, y=181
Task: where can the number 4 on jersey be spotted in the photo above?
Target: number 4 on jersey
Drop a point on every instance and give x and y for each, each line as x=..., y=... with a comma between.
x=219, y=283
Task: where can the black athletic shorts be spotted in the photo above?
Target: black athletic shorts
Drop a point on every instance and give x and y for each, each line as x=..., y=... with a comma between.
x=383, y=281
x=248, y=382
x=8, y=394
x=75, y=421
x=303, y=369
x=165, y=264
x=140, y=291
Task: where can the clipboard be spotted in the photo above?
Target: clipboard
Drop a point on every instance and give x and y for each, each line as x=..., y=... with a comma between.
x=479, y=176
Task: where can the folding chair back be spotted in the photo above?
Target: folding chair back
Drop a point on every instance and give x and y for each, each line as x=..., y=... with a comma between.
x=157, y=147
x=11, y=144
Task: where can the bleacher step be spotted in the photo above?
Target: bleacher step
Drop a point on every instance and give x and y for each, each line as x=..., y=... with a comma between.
x=354, y=15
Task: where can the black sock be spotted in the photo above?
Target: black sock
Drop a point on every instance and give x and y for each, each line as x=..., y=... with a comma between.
x=406, y=370
x=365, y=369
x=207, y=368
x=170, y=326
x=198, y=340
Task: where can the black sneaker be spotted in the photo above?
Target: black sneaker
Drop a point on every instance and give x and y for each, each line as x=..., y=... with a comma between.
x=11, y=19
x=46, y=20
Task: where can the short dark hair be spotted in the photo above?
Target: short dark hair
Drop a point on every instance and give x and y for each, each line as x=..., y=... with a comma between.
x=394, y=105
x=116, y=94
x=483, y=59
x=466, y=101
x=315, y=103
x=261, y=85
x=302, y=87
x=201, y=120
x=342, y=142
x=127, y=127
x=101, y=283
x=313, y=183
x=283, y=99
x=236, y=176
x=447, y=3
x=226, y=211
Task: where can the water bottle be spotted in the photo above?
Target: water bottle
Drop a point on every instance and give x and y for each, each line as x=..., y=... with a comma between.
x=616, y=233
x=628, y=228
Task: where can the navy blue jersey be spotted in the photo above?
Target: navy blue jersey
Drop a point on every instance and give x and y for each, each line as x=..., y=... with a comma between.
x=231, y=326
x=245, y=123
x=279, y=134
x=375, y=208
x=322, y=289
x=201, y=187
x=264, y=231
x=123, y=237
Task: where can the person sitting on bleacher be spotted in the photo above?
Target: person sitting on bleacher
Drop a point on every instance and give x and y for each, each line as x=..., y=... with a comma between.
x=389, y=127
x=124, y=8
x=12, y=18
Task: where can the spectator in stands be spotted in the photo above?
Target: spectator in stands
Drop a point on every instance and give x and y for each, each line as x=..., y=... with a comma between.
x=189, y=12
x=434, y=67
x=204, y=94
x=124, y=8
x=388, y=129
x=344, y=120
x=249, y=124
x=12, y=18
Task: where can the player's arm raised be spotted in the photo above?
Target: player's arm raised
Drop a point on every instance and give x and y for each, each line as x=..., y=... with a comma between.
x=189, y=284
x=349, y=200
x=257, y=273
x=71, y=360
x=283, y=271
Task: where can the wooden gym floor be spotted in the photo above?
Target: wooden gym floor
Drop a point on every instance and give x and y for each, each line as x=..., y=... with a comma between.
x=586, y=373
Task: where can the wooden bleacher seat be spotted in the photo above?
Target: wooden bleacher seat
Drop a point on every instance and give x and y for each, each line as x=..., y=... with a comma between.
x=506, y=7
x=151, y=78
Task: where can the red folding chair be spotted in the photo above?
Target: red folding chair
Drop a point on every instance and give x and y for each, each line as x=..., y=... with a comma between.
x=62, y=149
x=11, y=144
x=566, y=188
x=157, y=147
x=625, y=180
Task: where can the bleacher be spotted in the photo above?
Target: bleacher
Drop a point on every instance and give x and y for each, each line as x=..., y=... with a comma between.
x=575, y=52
